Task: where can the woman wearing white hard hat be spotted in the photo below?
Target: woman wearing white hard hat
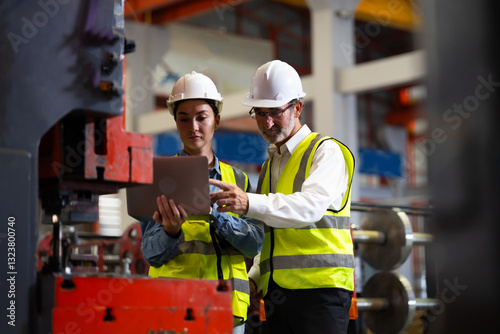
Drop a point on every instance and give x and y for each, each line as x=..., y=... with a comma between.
x=181, y=248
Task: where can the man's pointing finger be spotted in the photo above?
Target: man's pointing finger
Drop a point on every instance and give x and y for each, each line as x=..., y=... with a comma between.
x=220, y=184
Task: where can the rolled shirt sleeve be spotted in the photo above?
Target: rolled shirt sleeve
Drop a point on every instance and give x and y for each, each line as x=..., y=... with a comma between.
x=244, y=233
x=157, y=247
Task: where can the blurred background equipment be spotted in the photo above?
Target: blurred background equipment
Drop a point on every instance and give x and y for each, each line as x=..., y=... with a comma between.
x=85, y=252
x=62, y=146
x=385, y=237
x=389, y=304
x=392, y=292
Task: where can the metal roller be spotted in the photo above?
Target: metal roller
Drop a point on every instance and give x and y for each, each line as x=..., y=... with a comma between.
x=411, y=210
x=388, y=304
x=385, y=238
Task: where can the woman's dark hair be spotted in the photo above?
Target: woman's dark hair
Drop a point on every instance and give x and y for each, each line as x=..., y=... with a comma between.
x=211, y=103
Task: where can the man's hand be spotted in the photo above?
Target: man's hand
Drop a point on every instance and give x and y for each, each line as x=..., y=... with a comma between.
x=253, y=288
x=230, y=198
x=170, y=216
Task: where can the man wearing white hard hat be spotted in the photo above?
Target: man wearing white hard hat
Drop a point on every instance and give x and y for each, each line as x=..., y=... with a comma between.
x=181, y=248
x=306, y=266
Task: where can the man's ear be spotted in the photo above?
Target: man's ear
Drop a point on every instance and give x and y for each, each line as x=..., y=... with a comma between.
x=297, y=109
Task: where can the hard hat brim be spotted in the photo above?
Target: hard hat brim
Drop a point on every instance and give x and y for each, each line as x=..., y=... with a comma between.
x=262, y=103
x=218, y=104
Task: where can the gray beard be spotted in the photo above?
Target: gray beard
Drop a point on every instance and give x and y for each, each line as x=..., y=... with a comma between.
x=281, y=134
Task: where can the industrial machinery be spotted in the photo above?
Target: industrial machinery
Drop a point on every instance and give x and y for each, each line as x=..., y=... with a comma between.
x=62, y=144
x=91, y=253
x=385, y=238
x=384, y=241
x=388, y=303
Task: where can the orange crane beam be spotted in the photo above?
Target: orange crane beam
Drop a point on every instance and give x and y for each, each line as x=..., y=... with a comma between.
x=138, y=7
x=164, y=11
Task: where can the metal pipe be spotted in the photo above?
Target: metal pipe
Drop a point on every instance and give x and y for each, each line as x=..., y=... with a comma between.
x=411, y=210
x=425, y=303
x=372, y=304
x=422, y=238
x=380, y=304
x=368, y=237
x=376, y=237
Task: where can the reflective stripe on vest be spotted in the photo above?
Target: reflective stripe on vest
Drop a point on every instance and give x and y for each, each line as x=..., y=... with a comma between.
x=197, y=255
x=316, y=256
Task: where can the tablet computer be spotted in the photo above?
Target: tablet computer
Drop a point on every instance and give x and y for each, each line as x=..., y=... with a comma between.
x=181, y=178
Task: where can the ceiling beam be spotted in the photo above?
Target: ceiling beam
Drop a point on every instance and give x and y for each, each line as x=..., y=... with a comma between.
x=136, y=7
x=250, y=14
x=382, y=73
x=164, y=11
x=404, y=15
x=187, y=9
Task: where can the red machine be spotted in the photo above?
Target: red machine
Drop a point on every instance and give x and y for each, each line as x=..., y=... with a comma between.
x=109, y=304
x=100, y=299
x=62, y=144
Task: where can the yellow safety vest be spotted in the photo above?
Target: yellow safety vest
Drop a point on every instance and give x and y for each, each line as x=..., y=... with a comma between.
x=201, y=254
x=319, y=255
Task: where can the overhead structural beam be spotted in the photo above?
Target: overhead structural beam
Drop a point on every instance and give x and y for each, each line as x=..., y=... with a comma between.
x=136, y=7
x=165, y=11
x=189, y=8
x=383, y=73
x=404, y=15
x=250, y=14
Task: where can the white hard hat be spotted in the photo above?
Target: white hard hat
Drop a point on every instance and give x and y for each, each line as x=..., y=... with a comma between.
x=274, y=84
x=194, y=86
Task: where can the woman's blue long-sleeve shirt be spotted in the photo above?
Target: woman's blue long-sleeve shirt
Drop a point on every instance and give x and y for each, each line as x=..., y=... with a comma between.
x=243, y=233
